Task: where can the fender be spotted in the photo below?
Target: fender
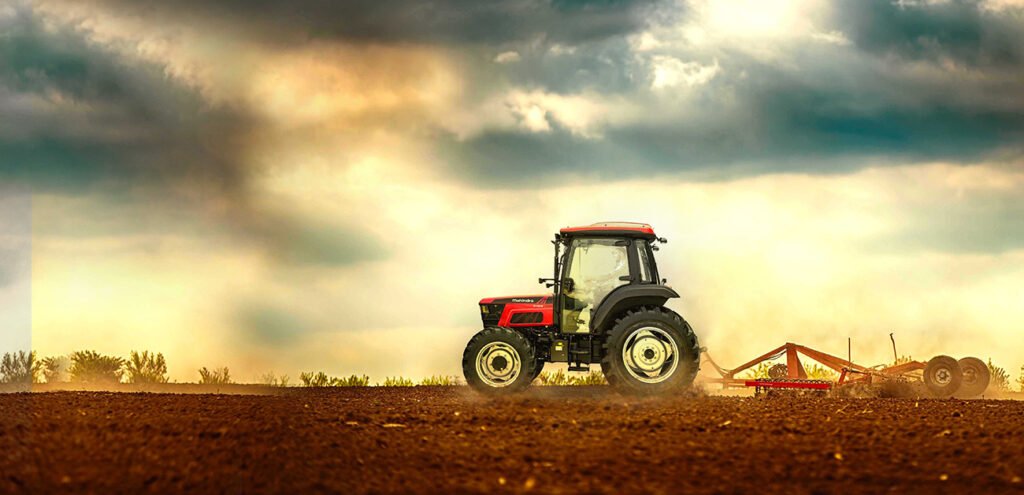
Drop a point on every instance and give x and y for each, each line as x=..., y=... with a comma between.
x=628, y=296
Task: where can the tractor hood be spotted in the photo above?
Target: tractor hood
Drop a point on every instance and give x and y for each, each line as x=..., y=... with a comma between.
x=535, y=299
x=514, y=311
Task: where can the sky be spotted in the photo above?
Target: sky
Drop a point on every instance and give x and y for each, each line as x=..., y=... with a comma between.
x=318, y=185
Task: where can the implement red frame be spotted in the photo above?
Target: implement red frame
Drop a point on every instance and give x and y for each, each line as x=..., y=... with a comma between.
x=788, y=384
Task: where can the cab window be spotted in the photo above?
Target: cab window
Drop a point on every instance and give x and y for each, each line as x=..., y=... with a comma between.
x=596, y=267
x=645, y=261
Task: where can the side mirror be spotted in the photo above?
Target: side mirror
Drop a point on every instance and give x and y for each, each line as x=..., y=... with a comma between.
x=568, y=285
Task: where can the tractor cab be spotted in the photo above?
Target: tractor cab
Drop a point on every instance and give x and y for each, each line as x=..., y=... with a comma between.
x=607, y=307
x=593, y=261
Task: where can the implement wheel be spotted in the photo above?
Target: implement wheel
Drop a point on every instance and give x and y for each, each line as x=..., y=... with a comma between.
x=942, y=376
x=778, y=371
x=975, y=377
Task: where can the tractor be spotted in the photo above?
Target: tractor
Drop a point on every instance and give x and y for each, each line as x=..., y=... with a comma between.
x=607, y=306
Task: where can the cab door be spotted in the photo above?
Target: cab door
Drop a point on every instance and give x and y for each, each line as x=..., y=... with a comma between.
x=595, y=267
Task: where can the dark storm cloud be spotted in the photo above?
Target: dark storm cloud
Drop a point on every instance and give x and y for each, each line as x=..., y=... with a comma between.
x=83, y=121
x=95, y=120
x=958, y=29
x=890, y=95
x=399, y=21
x=780, y=125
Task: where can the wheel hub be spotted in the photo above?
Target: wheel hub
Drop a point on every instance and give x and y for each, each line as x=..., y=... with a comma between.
x=650, y=354
x=498, y=364
x=943, y=376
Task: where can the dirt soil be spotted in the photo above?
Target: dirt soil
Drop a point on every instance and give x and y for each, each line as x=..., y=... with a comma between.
x=550, y=440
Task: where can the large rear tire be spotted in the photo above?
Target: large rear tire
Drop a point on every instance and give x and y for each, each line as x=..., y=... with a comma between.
x=942, y=376
x=499, y=361
x=650, y=351
x=975, y=377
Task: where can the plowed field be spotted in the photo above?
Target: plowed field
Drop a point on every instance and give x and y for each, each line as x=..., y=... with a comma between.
x=549, y=440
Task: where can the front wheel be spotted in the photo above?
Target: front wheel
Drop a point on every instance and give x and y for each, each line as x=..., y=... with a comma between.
x=499, y=361
x=650, y=351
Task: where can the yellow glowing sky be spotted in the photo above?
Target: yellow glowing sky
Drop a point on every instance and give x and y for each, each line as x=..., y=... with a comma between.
x=758, y=262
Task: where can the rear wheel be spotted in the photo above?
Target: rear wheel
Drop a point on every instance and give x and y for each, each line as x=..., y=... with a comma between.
x=975, y=377
x=942, y=375
x=499, y=361
x=650, y=351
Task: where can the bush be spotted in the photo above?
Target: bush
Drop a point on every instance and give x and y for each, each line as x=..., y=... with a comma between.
x=561, y=379
x=1000, y=380
x=591, y=378
x=397, y=382
x=21, y=367
x=903, y=360
x=146, y=368
x=351, y=381
x=814, y=372
x=321, y=379
x=271, y=380
x=1020, y=379
x=91, y=366
x=818, y=372
x=56, y=369
x=440, y=381
x=216, y=376
x=761, y=371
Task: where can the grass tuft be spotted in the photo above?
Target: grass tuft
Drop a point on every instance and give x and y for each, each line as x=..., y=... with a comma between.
x=562, y=379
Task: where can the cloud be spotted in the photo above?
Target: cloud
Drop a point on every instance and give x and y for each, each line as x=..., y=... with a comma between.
x=398, y=21
x=813, y=90
x=86, y=118
x=89, y=121
x=507, y=57
x=967, y=32
x=670, y=72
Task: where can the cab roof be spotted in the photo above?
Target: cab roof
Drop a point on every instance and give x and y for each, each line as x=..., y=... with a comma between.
x=617, y=229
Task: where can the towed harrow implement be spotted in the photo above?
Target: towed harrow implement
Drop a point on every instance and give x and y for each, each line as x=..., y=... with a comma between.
x=942, y=376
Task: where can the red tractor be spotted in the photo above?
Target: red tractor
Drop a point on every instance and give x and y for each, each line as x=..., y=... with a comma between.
x=607, y=308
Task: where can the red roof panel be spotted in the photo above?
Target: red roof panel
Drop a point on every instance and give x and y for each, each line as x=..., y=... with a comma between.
x=641, y=228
